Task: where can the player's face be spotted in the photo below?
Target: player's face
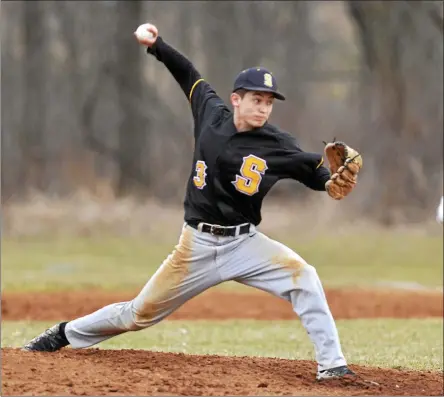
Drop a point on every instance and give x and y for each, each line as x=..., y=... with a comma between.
x=255, y=108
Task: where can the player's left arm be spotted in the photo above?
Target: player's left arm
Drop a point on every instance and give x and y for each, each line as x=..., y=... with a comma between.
x=318, y=178
x=308, y=169
x=341, y=176
x=295, y=163
x=338, y=180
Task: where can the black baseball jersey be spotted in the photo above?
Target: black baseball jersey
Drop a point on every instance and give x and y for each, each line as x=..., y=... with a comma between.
x=233, y=171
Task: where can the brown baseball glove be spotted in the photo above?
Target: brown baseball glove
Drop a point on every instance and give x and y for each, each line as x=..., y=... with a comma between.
x=344, y=164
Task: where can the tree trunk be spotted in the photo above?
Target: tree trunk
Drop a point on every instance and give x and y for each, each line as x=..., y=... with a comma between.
x=34, y=110
x=132, y=130
x=402, y=49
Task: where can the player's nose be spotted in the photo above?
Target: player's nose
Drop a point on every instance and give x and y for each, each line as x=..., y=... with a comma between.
x=263, y=109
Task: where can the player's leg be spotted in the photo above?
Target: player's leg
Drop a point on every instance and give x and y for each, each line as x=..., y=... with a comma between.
x=188, y=271
x=266, y=264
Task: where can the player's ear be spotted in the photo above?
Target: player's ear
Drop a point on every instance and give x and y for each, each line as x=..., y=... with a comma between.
x=235, y=99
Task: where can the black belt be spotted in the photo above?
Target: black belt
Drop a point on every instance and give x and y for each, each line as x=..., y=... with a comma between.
x=224, y=231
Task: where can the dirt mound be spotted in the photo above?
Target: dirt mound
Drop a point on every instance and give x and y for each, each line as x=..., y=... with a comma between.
x=135, y=372
x=345, y=304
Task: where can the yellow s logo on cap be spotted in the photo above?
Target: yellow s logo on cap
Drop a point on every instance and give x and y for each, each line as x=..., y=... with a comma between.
x=268, y=80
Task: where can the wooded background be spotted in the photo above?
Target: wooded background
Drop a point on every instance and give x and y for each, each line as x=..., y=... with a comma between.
x=84, y=107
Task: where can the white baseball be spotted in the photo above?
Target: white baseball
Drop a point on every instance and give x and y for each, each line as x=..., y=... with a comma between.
x=142, y=32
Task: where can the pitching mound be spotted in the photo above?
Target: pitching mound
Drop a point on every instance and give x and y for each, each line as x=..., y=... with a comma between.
x=135, y=372
x=345, y=304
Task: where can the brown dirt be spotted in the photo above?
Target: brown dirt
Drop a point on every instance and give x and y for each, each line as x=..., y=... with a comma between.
x=345, y=304
x=134, y=372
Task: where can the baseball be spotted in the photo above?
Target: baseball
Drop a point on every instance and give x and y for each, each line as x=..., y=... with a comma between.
x=142, y=33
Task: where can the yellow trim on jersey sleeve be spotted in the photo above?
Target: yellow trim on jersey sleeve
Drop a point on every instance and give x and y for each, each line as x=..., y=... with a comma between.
x=193, y=87
x=320, y=163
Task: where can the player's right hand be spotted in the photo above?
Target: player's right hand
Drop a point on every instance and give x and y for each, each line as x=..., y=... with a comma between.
x=144, y=38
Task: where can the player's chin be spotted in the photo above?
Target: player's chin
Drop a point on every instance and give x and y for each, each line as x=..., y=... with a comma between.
x=257, y=122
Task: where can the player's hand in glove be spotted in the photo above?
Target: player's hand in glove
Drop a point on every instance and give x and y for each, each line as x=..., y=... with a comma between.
x=344, y=164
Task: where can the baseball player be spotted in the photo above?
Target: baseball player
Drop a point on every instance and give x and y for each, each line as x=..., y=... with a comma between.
x=238, y=157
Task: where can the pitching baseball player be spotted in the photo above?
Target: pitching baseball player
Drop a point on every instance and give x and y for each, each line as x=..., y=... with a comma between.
x=238, y=158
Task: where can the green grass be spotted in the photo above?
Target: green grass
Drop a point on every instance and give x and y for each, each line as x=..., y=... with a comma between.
x=376, y=257
x=127, y=263
x=79, y=263
x=415, y=344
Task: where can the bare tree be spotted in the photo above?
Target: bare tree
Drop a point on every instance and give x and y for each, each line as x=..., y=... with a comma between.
x=131, y=133
x=86, y=107
x=403, y=49
x=32, y=134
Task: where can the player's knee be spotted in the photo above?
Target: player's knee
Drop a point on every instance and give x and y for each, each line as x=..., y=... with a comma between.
x=137, y=325
x=144, y=318
x=311, y=272
x=310, y=269
x=122, y=315
x=141, y=322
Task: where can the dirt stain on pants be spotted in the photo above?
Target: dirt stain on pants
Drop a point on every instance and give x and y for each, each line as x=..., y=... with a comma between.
x=162, y=294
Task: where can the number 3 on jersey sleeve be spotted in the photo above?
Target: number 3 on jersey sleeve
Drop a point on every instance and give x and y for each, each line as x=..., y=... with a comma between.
x=251, y=170
x=199, y=179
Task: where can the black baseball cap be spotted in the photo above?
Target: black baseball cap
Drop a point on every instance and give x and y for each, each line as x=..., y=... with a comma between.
x=257, y=79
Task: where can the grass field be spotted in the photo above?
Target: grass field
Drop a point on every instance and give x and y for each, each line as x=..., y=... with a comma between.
x=414, y=344
x=81, y=262
x=124, y=263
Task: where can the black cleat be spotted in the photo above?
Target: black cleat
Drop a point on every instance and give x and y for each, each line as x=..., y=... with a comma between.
x=49, y=341
x=334, y=373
